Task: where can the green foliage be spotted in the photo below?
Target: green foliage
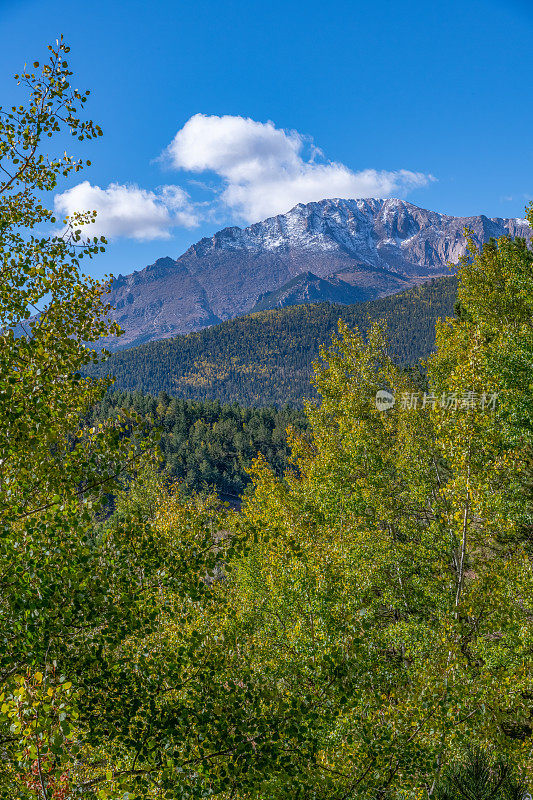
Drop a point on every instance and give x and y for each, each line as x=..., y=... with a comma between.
x=55, y=592
x=385, y=587
x=267, y=358
x=208, y=445
x=42, y=348
x=39, y=715
x=479, y=778
x=82, y=602
x=115, y=681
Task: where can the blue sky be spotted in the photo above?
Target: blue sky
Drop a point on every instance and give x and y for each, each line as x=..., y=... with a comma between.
x=256, y=106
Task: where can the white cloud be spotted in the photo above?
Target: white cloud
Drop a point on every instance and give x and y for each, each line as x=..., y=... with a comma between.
x=260, y=171
x=266, y=170
x=127, y=210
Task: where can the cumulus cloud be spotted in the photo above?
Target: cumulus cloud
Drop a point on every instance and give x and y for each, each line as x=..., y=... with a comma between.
x=266, y=170
x=259, y=171
x=127, y=210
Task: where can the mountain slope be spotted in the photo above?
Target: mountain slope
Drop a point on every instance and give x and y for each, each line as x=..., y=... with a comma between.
x=376, y=246
x=309, y=288
x=267, y=357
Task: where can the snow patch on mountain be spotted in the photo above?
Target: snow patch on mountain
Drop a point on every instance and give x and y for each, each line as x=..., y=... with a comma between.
x=377, y=247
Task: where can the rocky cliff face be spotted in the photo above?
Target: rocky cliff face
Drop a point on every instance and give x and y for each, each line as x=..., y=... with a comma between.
x=367, y=248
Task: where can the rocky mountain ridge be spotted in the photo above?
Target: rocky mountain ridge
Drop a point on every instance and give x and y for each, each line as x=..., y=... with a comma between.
x=365, y=248
x=309, y=288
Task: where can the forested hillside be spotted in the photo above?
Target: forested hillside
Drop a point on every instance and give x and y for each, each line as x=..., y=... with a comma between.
x=267, y=357
x=209, y=444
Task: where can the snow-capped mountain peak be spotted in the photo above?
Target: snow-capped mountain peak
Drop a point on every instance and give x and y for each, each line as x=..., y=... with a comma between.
x=374, y=246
